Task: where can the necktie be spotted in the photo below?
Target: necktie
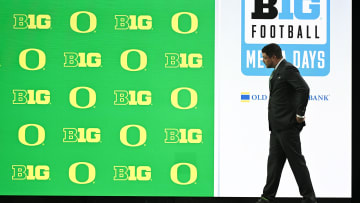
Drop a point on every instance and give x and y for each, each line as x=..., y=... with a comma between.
x=271, y=76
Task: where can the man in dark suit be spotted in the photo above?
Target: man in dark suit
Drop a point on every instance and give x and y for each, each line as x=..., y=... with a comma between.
x=286, y=113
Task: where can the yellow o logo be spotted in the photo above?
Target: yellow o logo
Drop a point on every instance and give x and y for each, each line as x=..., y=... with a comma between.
x=142, y=135
x=174, y=174
x=175, y=96
x=124, y=60
x=22, y=59
x=22, y=135
x=72, y=172
x=92, y=97
x=175, y=22
x=73, y=22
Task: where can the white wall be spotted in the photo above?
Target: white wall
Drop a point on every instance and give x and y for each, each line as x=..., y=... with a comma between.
x=242, y=136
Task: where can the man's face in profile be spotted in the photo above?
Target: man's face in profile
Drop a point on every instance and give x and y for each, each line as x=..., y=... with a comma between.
x=269, y=61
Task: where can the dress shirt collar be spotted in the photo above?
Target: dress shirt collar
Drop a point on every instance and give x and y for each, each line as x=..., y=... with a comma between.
x=277, y=65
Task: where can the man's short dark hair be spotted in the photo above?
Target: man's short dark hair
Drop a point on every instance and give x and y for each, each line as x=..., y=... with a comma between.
x=272, y=49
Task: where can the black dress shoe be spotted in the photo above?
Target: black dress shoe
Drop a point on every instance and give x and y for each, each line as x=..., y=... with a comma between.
x=263, y=200
x=309, y=200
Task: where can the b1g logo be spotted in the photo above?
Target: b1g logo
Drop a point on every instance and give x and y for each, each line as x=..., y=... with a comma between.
x=32, y=21
x=82, y=59
x=31, y=97
x=30, y=172
x=132, y=173
x=183, y=60
x=82, y=135
x=133, y=22
x=132, y=98
x=300, y=27
x=174, y=135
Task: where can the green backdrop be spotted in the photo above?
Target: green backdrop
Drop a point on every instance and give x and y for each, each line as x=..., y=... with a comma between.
x=166, y=50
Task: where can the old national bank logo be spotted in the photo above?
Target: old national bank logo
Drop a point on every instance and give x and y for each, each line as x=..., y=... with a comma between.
x=300, y=27
x=246, y=97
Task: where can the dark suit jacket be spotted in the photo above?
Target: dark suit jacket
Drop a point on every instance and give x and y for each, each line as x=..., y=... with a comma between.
x=289, y=95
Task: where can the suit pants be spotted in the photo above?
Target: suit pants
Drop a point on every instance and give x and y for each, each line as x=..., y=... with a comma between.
x=285, y=144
